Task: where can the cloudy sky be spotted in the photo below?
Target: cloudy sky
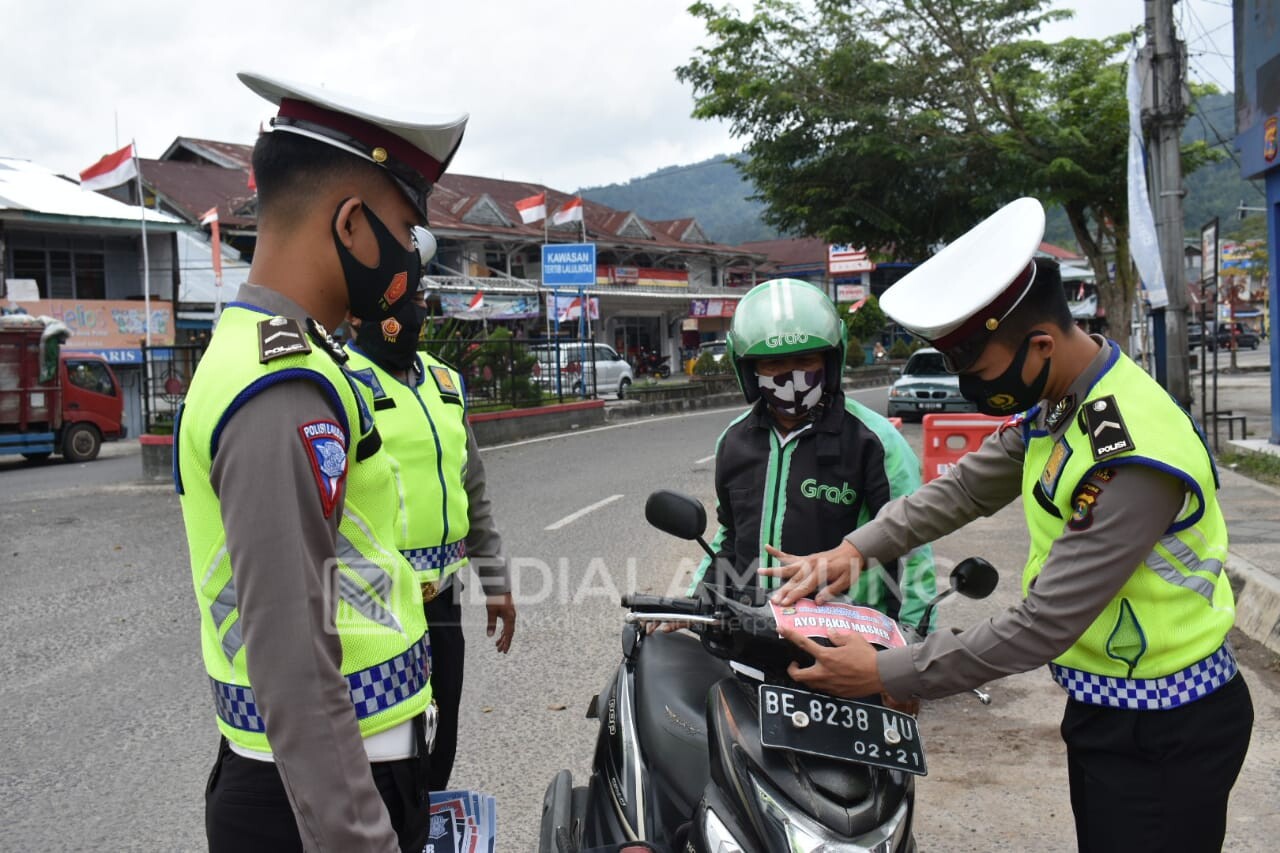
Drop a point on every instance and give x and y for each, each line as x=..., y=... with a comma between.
x=565, y=92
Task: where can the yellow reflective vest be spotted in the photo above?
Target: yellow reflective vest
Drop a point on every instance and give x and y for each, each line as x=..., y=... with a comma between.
x=1177, y=607
x=424, y=435
x=379, y=618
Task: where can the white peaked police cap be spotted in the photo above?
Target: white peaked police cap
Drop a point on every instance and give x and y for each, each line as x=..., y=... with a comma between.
x=414, y=147
x=958, y=297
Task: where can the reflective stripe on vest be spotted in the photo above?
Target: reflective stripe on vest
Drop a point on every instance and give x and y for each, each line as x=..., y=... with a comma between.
x=1149, y=694
x=372, y=690
x=435, y=559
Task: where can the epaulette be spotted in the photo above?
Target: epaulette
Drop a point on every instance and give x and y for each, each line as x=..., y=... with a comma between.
x=280, y=336
x=1100, y=420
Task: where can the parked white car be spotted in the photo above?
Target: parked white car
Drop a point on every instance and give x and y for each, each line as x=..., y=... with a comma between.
x=606, y=372
x=925, y=387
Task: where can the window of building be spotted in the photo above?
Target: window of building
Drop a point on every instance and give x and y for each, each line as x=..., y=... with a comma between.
x=62, y=274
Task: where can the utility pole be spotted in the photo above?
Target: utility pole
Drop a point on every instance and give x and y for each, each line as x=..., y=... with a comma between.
x=1164, y=59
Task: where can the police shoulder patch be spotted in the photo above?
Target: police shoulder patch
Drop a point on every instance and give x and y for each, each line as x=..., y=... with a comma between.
x=326, y=446
x=444, y=382
x=280, y=336
x=1100, y=420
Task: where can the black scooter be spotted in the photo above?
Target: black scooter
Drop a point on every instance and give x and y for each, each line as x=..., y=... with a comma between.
x=707, y=746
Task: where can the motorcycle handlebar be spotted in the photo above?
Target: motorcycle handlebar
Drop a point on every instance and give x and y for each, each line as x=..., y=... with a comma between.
x=641, y=603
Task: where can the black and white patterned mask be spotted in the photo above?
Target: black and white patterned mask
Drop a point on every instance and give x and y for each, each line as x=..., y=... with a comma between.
x=794, y=393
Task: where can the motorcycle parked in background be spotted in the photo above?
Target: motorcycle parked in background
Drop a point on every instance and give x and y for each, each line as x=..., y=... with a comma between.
x=707, y=746
x=649, y=363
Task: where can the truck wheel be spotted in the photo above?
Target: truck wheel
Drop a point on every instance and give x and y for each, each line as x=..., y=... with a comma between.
x=81, y=443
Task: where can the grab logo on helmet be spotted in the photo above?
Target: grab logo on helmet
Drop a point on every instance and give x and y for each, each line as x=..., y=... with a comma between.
x=789, y=339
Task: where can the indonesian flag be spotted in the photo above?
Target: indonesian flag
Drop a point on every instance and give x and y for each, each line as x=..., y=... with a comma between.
x=533, y=208
x=210, y=218
x=111, y=171
x=570, y=211
x=477, y=302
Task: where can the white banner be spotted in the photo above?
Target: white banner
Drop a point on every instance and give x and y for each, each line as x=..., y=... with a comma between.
x=1143, y=244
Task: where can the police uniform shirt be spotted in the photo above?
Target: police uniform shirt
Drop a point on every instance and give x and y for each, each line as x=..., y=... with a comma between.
x=282, y=545
x=1082, y=573
x=484, y=542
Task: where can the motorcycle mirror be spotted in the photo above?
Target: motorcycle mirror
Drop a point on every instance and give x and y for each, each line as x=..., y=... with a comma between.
x=677, y=514
x=974, y=577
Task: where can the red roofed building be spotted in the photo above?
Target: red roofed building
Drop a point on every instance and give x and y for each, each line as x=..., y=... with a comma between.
x=661, y=285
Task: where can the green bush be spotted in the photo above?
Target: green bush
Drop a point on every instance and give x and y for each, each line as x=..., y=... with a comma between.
x=855, y=355
x=706, y=365
x=900, y=350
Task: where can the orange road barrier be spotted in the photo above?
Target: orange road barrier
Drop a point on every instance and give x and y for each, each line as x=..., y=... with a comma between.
x=948, y=437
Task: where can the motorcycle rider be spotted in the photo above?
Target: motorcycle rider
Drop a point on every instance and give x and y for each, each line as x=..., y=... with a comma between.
x=805, y=463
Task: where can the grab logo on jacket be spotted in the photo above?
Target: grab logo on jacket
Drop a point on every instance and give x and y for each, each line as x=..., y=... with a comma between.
x=841, y=494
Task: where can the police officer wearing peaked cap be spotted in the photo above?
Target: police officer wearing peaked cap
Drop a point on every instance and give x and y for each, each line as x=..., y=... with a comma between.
x=1125, y=595
x=311, y=622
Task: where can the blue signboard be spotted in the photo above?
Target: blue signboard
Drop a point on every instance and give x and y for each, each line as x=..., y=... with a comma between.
x=115, y=356
x=569, y=264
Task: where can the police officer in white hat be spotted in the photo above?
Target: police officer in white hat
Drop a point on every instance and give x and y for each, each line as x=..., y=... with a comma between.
x=311, y=622
x=1125, y=596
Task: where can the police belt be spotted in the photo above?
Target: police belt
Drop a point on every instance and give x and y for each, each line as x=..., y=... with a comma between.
x=372, y=690
x=1149, y=694
x=435, y=560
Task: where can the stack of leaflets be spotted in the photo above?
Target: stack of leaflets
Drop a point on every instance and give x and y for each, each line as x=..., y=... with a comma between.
x=462, y=822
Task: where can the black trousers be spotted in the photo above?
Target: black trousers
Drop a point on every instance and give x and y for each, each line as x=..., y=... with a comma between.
x=448, y=654
x=247, y=810
x=1156, y=780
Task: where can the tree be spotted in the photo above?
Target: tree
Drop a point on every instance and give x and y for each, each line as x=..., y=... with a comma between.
x=901, y=124
x=867, y=323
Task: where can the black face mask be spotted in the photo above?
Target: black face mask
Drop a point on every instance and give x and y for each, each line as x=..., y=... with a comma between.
x=393, y=343
x=1007, y=393
x=377, y=293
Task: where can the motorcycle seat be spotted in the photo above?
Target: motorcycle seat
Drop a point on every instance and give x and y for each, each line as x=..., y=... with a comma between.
x=673, y=675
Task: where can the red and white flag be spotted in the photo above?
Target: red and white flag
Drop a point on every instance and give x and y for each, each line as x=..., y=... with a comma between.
x=210, y=218
x=570, y=211
x=533, y=208
x=111, y=171
x=477, y=302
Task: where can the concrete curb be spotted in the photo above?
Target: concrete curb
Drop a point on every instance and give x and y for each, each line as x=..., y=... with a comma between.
x=1257, y=602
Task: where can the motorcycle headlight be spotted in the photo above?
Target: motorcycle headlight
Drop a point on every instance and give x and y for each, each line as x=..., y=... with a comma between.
x=802, y=834
x=719, y=838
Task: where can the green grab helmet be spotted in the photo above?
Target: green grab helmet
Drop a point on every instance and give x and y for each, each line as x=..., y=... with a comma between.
x=783, y=317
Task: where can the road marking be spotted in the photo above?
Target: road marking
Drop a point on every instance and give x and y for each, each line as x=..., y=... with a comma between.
x=574, y=516
x=704, y=460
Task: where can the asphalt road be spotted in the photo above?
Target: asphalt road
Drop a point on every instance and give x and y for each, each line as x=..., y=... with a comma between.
x=106, y=735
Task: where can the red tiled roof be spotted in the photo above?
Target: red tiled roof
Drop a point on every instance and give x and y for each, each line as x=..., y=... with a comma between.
x=228, y=154
x=1059, y=253
x=193, y=188
x=790, y=251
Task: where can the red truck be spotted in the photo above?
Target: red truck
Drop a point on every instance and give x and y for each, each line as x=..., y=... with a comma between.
x=53, y=401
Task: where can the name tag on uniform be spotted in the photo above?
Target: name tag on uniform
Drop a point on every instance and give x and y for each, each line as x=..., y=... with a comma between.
x=444, y=382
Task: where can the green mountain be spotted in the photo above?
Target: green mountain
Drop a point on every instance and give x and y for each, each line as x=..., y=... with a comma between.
x=714, y=192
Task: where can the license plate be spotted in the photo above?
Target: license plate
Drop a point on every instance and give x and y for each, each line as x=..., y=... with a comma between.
x=838, y=728
x=931, y=406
